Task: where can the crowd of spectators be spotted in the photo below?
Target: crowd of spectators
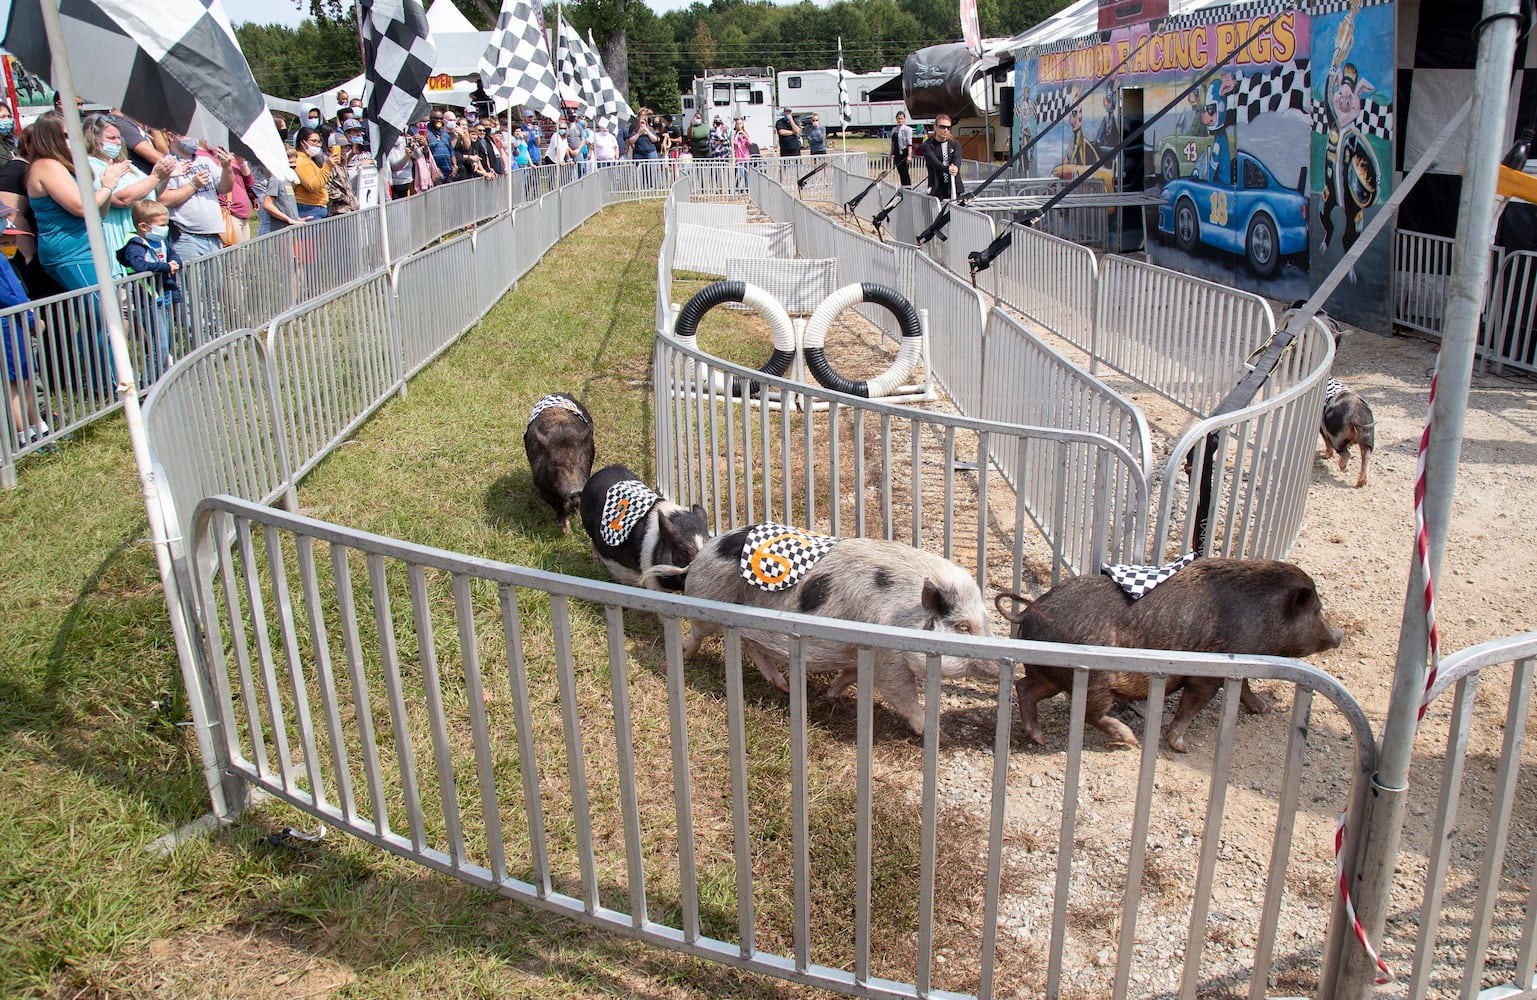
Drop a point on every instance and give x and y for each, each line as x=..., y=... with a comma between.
x=167, y=199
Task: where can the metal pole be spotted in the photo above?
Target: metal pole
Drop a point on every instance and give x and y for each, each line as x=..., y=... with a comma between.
x=1382, y=819
x=204, y=715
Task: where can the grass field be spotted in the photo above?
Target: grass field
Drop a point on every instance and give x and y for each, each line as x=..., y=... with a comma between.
x=95, y=764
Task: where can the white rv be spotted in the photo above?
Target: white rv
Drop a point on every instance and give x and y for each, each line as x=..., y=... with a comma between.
x=874, y=98
x=736, y=93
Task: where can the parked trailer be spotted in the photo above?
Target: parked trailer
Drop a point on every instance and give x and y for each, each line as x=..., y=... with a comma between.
x=816, y=90
x=736, y=93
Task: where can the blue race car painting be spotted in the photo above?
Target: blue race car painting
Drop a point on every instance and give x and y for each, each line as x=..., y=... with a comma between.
x=1260, y=219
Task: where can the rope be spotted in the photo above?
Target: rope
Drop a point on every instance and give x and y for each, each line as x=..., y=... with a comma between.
x=1350, y=910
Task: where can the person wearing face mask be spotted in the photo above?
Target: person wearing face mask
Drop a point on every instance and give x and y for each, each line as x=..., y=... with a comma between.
x=104, y=144
x=7, y=134
x=149, y=251
x=310, y=122
x=193, y=197
x=440, y=142
x=314, y=170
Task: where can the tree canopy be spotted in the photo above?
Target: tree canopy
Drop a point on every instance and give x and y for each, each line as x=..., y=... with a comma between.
x=656, y=56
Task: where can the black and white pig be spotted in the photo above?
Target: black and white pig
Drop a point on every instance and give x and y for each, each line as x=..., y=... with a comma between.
x=1213, y=605
x=855, y=579
x=634, y=528
x=1347, y=420
x=558, y=443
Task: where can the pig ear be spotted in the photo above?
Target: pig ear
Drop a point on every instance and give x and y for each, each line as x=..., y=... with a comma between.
x=935, y=601
x=1303, y=601
x=703, y=514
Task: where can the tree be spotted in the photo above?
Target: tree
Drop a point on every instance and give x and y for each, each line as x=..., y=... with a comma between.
x=297, y=62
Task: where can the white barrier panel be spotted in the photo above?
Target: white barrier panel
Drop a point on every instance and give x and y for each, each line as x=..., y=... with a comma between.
x=705, y=250
x=1510, y=336
x=1185, y=338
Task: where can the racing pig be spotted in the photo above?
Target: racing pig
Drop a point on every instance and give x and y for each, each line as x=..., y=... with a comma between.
x=558, y=443
x=855, y=579
x=633, y=528
x=1211, y=605
x=1346, y=421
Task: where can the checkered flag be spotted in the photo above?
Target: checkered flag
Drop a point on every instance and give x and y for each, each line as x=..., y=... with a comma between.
x=1138, y=580
x=776, y=556
x=516, y=66
x=571, y=66
x=398, y=54
x=843, y=91
x=1284, y=87
x=604, y=96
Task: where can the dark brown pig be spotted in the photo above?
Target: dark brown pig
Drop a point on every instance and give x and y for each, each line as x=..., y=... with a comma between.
x=1212, y=605
x=558, y=443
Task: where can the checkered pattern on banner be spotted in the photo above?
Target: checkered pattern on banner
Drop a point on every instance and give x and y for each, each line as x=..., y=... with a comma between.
x=168, y=63
x=1050, y=105
x=625, y=505
x=398, y=54
x=1374, y=119
x=1138, y=580
x=1282, y=87
x=552, y=401
x=777, y=556
x=516, y=66
x=1321, y=7
x=604, y=96
x=571, y=68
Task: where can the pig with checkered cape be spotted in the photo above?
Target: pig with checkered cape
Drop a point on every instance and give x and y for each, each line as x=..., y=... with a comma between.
x=855, y=579
x=633, y=528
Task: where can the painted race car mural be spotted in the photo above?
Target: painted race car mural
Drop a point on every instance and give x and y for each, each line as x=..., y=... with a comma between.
x=1260, y=219
x=1267, y=166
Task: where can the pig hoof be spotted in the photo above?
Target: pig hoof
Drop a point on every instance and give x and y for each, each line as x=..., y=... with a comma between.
x=1360, y=482
x=1130, y=743
x=1177, y=743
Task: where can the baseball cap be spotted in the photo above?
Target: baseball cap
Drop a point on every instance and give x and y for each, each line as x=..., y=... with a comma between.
x=353, y=125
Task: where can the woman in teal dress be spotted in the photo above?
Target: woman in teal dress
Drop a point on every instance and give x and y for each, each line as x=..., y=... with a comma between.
x=104, y=143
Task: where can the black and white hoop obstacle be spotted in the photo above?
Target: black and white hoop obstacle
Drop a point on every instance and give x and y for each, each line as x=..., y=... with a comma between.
x=687, y=326
x=908, y=355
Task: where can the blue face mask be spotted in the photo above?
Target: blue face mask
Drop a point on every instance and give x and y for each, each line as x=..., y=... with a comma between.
x=357, y=140
x=314, y=120
x=111, y=149
x=7, y=126
x=159, y=232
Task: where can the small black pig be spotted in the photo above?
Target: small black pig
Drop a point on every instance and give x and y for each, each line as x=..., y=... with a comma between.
x=1258, y=606
x=558, y=442
x=633, y=528
x=1347, y=420
x=855, y=579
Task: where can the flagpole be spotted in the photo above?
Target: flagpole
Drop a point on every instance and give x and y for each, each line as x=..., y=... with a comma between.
x=374, y=143
x=111, y=313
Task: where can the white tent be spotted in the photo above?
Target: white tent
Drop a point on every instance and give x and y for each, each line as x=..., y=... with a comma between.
x=459, y=48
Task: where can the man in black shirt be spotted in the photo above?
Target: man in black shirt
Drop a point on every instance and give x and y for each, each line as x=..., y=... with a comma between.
x=789, y=131
x=942, y=155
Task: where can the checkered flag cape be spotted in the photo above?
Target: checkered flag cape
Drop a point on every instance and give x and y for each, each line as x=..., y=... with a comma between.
x=398, y=54
x=843, y=91
x=554, y=400
x=1138, y=580
x=168, y=63
x=516, y=67
x=777, y=556
x=625, y=505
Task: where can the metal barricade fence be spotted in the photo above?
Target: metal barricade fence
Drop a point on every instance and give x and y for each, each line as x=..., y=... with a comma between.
x=407, y=718
x=430, y=320
x=1026, y=382
x=861, y=258
x=1183, y=337
x=957, y=321
x=213, y=427
x=967, y=230
x=851, y=466
x=492, y=249
x=1510, y=332
x=57, y=350
x=1050, y=281
x=1259, y=462
x=1422, y=272
x=333, y=362
x=1473, y=932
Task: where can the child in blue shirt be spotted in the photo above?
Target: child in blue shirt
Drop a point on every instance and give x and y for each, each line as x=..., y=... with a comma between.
x=150, y=251
x=15, y=331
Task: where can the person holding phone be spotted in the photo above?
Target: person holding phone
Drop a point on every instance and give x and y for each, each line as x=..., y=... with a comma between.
x=193, y=196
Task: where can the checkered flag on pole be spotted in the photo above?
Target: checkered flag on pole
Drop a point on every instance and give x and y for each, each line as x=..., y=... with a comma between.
x=604, y=96
x=843, y=91
x=516, y=66
x=398, y=54
x=571, y=70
